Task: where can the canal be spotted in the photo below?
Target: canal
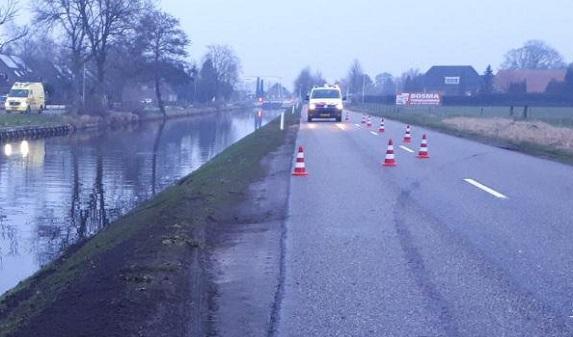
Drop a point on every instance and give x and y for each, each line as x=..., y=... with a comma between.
x=57, y=191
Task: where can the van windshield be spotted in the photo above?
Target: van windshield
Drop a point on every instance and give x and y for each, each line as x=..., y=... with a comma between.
x=326, y=93
x=18, y=93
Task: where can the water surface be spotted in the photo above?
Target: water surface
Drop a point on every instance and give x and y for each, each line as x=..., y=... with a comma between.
x=56, y=191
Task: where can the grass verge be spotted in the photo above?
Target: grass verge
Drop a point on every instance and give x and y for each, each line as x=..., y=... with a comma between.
x=532, y=137
x=112, y=119
x=17, y=119
x=137, y=271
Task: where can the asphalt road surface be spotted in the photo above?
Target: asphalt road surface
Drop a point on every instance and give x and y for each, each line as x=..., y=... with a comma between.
x=475, y=241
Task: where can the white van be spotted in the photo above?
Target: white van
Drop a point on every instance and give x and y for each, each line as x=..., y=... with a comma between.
x=26, y=97
x=325, y=102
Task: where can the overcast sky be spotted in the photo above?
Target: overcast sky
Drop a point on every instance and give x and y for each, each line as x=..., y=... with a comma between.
x=278, y=38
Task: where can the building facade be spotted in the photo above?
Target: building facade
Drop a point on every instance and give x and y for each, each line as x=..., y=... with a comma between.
x=452, y=81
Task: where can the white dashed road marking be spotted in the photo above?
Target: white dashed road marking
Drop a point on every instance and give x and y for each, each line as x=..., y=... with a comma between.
x=485, y=188
x=407, y=149
x=374, y=133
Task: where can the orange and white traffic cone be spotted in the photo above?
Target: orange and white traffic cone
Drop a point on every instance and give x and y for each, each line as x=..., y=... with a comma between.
x=408, y=135
x=381, y=129
x=424, y=154
x=363, y=119
x=390, y=159
x=369, y=122
x=300, y=168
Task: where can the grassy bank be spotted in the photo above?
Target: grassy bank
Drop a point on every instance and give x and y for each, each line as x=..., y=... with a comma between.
x=142, y=269
x=550, y=138
x=86, y=121
x=16, y=120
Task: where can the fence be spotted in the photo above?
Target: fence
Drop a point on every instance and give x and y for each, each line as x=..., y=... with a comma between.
x=494, y=100
x=560, y=116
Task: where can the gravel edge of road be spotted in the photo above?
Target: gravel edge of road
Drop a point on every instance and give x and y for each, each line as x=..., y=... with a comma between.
x=144, y=275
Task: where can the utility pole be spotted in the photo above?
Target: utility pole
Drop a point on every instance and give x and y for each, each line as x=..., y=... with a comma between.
x=363, y=87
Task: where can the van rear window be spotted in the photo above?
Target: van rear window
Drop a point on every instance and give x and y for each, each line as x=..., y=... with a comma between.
x=325, y=93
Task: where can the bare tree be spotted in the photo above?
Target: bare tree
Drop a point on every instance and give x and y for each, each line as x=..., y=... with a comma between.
x=303, y=82
x=385, y=84
x=535, y=54
x=103, y=21
x=65, y=16
x=163, y=42
x=410, y=81
x=355, y=78
x=8, y=12
x=306, y=80
x=227, y=67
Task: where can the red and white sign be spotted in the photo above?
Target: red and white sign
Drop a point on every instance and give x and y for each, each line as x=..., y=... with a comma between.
x=418, y=99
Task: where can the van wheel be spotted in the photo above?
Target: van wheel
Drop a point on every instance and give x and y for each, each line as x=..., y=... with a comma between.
x=41, y=110
x=28, y=110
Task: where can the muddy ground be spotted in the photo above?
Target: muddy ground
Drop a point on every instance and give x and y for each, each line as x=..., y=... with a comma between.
x=245, y=256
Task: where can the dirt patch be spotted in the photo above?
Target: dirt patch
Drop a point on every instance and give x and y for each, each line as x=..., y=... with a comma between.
x=534, y=132
x=245, y=257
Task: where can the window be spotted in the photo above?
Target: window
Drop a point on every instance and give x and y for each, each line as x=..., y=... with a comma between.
x=452, y=80
x=19, y=93
x=326, y=93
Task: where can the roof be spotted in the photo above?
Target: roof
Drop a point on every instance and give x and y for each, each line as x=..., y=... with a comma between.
x=452, y=71
x=452, y=79
x=436, y=74
x=16, y=65
x=537, y=80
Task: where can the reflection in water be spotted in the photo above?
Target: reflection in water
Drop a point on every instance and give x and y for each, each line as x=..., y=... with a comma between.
x=154, y=164
x=8, y=150
x=258, y=119
x=24, y=148
x=57, y=191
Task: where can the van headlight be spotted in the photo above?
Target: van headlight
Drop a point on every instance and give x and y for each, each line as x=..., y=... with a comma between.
x=312, y=106
x=339, y=106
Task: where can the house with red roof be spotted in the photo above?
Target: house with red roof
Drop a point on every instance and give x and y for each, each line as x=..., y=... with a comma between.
x=530, y=81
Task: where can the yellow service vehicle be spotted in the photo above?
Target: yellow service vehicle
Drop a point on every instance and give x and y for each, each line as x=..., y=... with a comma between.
x=25, y=97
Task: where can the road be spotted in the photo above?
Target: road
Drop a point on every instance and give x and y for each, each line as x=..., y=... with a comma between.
x=475, y=241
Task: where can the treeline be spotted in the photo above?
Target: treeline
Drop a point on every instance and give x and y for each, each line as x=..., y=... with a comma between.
x=100, y=49
x=533, y=55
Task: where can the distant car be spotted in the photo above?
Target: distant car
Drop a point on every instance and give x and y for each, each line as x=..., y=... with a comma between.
x=325, y=102
x=2, y=102
x=25, y=97
x=147, y=101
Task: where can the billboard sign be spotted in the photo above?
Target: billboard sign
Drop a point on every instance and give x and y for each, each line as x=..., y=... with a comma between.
x=402, y=99
x=418, y=99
